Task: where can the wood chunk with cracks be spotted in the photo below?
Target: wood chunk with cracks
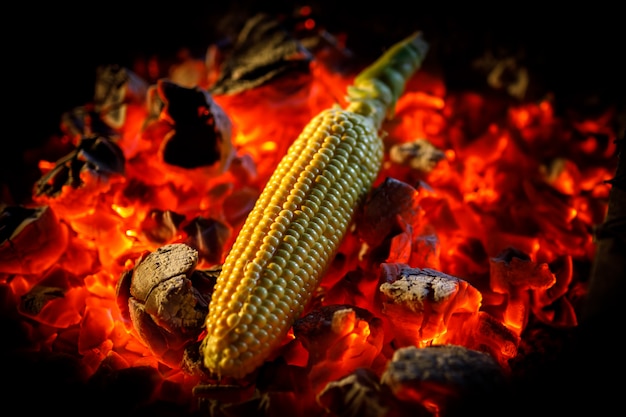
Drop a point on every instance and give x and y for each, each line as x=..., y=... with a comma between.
x=420, y=302
x=165, y=300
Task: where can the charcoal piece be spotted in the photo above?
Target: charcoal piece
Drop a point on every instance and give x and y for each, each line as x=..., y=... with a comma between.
x=201, y=131
x=513, y=268
x=35, y=300
x=449, y=379
x=117, y=86
x=31, y=239
x=420, y=155
x=421, y=302
x=53, y=286
x=263, y=51
x=164, y=300
x=318, y=330
x=208, y=237
x=161, y=226
x=357, y=395
x=84, y=121
x=98, y=155
x=378, y=219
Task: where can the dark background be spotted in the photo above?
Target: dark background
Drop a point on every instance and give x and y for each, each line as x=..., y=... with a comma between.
x=52, y=51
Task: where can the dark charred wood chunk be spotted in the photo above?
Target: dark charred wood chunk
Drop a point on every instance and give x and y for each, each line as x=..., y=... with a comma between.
x=117, y=86
x=31, y=239
x=319, y=329
x=452, y=380
x=13, y=218
x=98, y=155
x=84, y=121
x=54, y=286
x=378, y=219
x=357, y=395
x=201, y=130
x=263, y=51
x=208, y=237
x=161, y=226
x=512, y=268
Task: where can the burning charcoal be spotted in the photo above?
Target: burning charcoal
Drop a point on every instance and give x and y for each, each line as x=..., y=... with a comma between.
x=379, y=217
x=56, y=300
x=95, y=156
x=201, y=131
x=339, y=338
x=513, y=273
x=485, y=333
x=421, y=302
x=83, y=121
x=208, y=237
x=419, y=154
x=563, y=175
x=166, y=300
x=262, y=52
x=448, y=379
x=161, y=226
x=117, y=86
x=32, y=239
x=357, y=395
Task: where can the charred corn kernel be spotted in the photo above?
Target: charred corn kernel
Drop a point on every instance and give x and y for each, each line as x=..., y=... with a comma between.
x=296, y=226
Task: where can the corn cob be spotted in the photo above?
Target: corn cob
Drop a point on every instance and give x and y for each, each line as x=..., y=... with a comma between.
x=292, y=233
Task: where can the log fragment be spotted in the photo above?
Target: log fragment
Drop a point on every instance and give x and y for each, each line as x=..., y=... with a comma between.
x=32, y=239
x=450, y=380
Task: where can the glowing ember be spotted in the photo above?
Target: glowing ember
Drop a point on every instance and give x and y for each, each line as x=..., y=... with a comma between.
x=478, y=229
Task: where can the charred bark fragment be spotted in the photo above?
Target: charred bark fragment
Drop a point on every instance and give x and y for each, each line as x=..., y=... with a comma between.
x=361, y=394
x=263, y=51
x=451, y=380
x=201, y=131
x=115, y=88
x=31, y=239
x=97, y=155
x=208, y=236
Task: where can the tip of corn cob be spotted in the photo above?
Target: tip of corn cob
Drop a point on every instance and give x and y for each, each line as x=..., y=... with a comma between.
x=376, y=90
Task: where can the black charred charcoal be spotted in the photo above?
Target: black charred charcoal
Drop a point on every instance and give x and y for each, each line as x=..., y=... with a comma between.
x=161, y=226
x=208, y=237
x=201, y=130
x=12, y=218
x=99, y=155
x=451, y=379
x=263, y=51
x=116, y=86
